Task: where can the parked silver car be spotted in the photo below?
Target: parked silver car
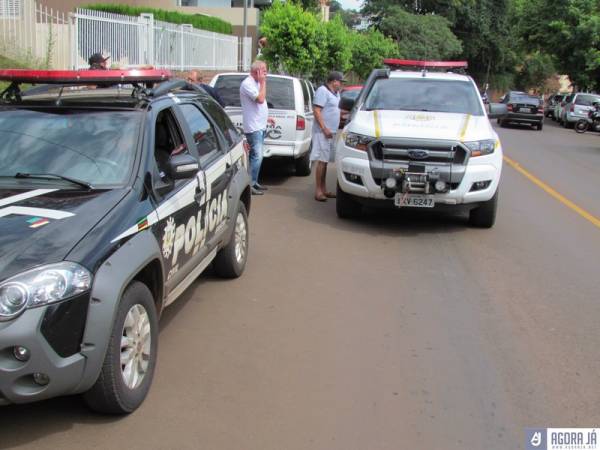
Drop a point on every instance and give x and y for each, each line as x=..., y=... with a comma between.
x=577, y=107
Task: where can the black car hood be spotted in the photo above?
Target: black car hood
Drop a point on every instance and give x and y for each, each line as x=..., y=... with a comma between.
x=41, y=226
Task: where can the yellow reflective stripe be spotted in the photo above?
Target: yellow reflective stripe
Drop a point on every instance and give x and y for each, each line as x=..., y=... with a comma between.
x=463, y=130
x=377, y=127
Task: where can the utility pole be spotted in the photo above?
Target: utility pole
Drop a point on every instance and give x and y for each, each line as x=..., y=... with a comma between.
x=245, y=33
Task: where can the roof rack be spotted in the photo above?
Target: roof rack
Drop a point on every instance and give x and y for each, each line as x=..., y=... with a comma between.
x=399, y=64
x=136, y=77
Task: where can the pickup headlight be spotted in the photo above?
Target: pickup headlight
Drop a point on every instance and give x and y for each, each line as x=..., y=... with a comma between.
x=481, y=148
x=358, y=141
x=41, y=286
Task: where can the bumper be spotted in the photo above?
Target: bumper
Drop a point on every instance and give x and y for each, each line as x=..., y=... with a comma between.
x=294, y=149
x=573, y=117
x=524, y=118
x=17, y=384
x=487, y=168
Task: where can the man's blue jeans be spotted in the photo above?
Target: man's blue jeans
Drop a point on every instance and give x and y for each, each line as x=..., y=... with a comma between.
x=255, y=140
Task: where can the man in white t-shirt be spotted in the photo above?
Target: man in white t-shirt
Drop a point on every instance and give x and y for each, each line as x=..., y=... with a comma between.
x=255, y=115
x=325, y=126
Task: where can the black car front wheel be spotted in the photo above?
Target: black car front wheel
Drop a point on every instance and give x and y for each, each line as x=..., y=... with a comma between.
x=130, y=359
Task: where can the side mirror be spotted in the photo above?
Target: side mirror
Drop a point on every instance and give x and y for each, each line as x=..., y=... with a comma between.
x=182, y=167
x=497, y=110
x=347, y=103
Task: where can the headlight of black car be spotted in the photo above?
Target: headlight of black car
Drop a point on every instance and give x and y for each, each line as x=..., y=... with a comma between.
x=42, y=286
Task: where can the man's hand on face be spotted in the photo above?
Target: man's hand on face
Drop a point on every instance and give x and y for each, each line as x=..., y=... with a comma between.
x=262, y=75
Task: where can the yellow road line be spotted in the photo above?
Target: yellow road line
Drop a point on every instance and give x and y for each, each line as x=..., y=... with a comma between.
x=561, y=198
x=377, y=128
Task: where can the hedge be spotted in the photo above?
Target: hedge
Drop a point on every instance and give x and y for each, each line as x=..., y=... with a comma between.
x=196, y=20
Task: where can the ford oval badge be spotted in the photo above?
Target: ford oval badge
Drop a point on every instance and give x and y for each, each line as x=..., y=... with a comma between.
x=418, y=154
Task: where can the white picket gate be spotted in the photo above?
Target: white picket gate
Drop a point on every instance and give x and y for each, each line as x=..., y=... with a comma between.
x=41, y=37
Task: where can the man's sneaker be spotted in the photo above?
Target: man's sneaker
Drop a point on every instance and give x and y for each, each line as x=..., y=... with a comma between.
x=256, y=191
x=260, y=188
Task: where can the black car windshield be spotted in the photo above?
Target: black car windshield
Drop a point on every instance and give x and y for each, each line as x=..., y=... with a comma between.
x=97, y=147
x=280, y=91
x=422, y=94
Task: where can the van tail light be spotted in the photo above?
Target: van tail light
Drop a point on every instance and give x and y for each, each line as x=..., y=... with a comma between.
x=300, y=123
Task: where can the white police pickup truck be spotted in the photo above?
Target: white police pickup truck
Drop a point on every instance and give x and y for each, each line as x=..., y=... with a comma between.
x=420, y=139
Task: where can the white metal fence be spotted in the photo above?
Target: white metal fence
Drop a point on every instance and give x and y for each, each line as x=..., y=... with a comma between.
x=41, y=37
x=143, y=40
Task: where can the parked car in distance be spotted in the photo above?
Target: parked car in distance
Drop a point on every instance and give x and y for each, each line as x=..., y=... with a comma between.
x=348, y=92
x=524, y=109
x=550, y=104
x=577, y=107
x=290, y=106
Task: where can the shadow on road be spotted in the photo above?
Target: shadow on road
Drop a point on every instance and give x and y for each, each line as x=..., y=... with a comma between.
x=395, y=222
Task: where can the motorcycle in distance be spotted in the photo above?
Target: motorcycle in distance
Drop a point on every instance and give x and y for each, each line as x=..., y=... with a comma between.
x=592, y=122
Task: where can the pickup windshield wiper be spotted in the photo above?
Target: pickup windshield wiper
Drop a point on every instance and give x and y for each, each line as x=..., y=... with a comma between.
x=54, y=176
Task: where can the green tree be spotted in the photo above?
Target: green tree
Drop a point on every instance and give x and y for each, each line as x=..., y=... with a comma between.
x=569, y=30
x=368, y=51
x=335, y=51
x=293, y=36
x=420, y=36
x=536, y=69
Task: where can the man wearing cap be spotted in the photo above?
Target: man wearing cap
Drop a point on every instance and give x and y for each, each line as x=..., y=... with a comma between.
x=98, y=62
x=327, y=120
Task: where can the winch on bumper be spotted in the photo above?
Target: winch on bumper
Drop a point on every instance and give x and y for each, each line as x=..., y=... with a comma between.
x=432, y=172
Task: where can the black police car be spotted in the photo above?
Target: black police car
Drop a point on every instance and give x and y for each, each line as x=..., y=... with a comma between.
x=114, y=196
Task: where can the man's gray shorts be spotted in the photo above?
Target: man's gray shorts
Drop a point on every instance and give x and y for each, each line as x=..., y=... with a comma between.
x=321, y=148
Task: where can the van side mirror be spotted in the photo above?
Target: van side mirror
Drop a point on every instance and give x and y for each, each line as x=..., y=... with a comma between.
x=497, y=110
x=347, y=103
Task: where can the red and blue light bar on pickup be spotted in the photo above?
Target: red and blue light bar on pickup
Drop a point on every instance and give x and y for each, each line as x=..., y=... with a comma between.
x=399, y=63
x=84, y=77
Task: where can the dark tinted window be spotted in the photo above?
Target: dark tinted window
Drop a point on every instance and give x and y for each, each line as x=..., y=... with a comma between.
x=280, y=91
x=97, y=147
x=202, y=131
x=352, y=94
x=569, y=98
x=529, y=99
x=586, y=99
x=223, y=123
x=422, y=94
x=306, y=95
x=228, y=87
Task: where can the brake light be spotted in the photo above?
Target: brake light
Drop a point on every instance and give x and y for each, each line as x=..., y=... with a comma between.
x=509, y=107
x=300, y=123
x=540, y=108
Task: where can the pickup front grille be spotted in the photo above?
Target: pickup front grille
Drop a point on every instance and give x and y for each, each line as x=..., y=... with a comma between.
x=396, y=151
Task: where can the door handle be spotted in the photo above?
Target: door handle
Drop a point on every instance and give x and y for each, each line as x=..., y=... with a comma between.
x=198, y=195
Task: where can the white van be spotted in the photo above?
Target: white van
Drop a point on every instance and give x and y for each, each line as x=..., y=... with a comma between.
x=290, y=106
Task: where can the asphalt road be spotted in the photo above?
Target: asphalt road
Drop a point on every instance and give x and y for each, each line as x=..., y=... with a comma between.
x=398, y=331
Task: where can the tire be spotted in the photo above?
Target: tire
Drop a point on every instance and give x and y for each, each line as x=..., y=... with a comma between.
x=540, y=126
x=484, y=216
x=116, y=392
x=502, y=123
x=302, y=165
x=231, y=259
x=581, y=126
x=345, y=206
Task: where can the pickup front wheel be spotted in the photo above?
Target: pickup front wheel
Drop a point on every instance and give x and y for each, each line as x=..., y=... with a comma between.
x=484, y=216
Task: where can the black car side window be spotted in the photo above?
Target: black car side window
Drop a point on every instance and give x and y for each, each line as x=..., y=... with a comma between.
x=227, y=128
x=167, y=141
x=202, y=131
